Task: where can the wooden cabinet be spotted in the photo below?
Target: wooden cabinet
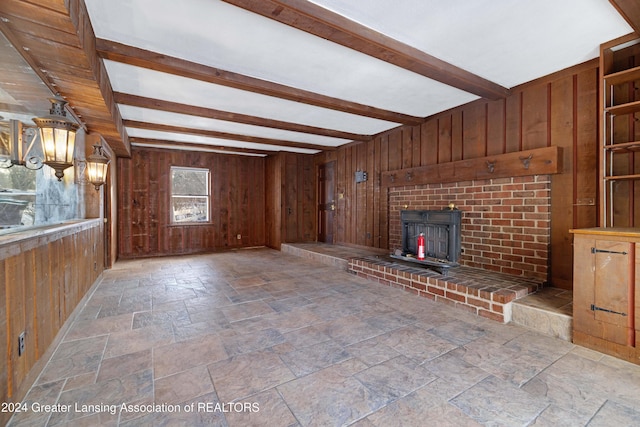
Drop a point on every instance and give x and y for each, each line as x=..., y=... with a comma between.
x=606, y=291
x=620, y=136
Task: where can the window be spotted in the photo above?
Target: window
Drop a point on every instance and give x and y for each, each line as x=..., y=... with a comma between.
x=190, y=194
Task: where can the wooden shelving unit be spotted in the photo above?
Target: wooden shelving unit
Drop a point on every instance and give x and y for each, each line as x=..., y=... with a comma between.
x=620, y=141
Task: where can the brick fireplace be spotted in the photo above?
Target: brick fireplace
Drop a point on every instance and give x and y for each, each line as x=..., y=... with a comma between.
x=505, y=222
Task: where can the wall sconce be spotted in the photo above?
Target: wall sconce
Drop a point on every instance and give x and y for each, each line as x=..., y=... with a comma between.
x=58, y=137
x=97, y=166
x=18, y=145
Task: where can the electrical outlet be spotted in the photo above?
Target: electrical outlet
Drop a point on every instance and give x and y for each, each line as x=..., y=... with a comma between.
x=21, y=344
x=239, y=236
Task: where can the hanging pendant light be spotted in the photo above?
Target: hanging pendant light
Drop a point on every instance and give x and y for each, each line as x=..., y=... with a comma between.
x=58, y=136
x=97, y=165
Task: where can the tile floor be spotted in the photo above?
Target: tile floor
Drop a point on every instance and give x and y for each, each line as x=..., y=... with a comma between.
x=260, y=338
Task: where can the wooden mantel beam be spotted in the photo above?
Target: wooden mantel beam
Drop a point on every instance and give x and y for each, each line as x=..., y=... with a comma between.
x=311, y=18
x=539, y=161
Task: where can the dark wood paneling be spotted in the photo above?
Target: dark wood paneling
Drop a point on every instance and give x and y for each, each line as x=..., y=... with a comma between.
x=444, y=140
x=238, y=204
x=290, y=199
x=560, y=110
x=429, y=143
x=586, y=148
x=562, y=191
x=535, y=106
x=474, y=132
x=4, y=365
x=496, y=129
x=273, y=201
x=43, y=278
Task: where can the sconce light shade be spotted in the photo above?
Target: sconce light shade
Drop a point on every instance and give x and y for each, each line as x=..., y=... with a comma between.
x=97, y=165
x=16, y=150
x=58, y=136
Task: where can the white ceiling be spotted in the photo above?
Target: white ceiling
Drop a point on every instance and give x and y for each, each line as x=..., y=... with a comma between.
x=508, y=42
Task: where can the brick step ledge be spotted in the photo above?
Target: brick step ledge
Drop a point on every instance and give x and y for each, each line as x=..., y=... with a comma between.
x=482, y=292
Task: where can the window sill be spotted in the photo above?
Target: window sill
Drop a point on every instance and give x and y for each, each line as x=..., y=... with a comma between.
x=190, y=224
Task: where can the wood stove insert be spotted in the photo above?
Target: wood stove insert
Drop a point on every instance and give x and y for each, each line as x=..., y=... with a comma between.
x=442, y=238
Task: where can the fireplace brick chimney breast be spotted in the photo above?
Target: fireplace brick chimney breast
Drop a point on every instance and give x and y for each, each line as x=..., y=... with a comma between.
x=506, y=223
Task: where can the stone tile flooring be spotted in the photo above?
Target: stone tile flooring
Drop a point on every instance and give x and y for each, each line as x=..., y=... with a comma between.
x=260, y=338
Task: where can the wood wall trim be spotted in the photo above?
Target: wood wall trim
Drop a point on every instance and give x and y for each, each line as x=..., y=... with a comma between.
x=541, y=161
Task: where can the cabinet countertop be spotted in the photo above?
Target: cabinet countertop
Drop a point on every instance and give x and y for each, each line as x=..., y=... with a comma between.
x=609, y=231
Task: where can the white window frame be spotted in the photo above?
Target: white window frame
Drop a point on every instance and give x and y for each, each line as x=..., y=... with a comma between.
x=207, y=197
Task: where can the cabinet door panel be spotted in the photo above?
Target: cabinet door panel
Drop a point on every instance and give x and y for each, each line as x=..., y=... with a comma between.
x=583, y=286
x=637, y=292
x=613, y=277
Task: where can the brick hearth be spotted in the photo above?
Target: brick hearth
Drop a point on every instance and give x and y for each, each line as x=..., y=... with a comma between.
x=485, y=293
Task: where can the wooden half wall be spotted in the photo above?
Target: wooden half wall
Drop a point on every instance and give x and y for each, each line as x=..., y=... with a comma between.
x=44, y=274
x=558, y=110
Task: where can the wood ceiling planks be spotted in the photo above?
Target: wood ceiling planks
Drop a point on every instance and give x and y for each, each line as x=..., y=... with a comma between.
x=56, y=39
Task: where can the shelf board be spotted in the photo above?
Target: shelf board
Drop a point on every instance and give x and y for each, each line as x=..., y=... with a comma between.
x=623, y=146
x=624, y=76
x=628, y=108
x=622, y=177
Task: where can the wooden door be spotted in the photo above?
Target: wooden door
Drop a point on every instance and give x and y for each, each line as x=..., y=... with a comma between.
x=326, y=201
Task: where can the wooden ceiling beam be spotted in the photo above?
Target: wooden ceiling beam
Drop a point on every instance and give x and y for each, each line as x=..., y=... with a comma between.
x=210, y=113
x=630, y=11
x=311, y=18
x=119, y=52
x=224, y=135
x=173, y=145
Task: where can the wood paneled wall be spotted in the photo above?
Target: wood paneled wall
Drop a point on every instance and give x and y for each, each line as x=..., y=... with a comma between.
x=559, y=110
x=238, y=204
x=43, y=277
x=290, y=199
